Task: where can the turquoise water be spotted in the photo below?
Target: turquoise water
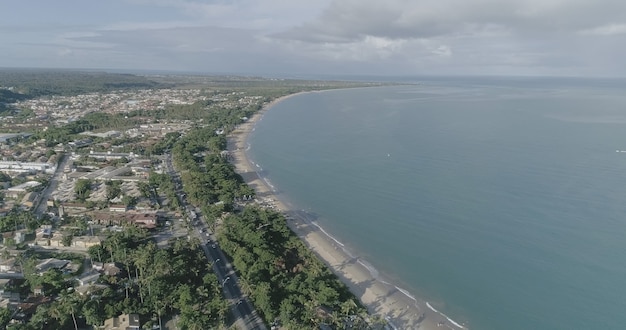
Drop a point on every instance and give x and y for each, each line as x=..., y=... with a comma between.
x=502, y=203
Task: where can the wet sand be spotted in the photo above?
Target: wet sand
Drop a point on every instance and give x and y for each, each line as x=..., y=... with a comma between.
x=380, y=297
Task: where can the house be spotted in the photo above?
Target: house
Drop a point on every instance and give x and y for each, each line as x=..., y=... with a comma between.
x=117, y=208
x=51, y=263
x=38, y=291
x=56, y=240
x=113, y=269
x=42, y=241
x=9, y=299
x=29, y=306
x=88, y=278
x=141, y=219
x=23, y=188
x=122, y=322
x=19, y=237
x=30, y=199
x=7, y=266
x=85, y=242
x=46, y=231
x=72, y=208
x=87, y=290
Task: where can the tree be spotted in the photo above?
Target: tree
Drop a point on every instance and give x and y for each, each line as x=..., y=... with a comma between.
x=82, y=188
x=113, y=189
x=129, y=201
x=5, y=317
x=67, y=239
x=93, y=312
x=53, y=282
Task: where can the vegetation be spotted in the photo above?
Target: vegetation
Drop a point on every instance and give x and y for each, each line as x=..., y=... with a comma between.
x=17, y=219
x=281, y=275
x=286, y=282
x=154, y=283
x=33, y=83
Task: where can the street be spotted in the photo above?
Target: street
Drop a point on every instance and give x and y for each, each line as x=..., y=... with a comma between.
x=244, y=313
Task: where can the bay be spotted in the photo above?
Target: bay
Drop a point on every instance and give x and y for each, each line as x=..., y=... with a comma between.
x=499, y=201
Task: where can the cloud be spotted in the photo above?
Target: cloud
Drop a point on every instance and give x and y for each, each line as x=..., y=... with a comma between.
x=606, y=30
x=271, y=15
x=561, y=37
x=347, y=20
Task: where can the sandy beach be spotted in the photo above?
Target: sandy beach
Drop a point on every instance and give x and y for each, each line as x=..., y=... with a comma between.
x=380, y=297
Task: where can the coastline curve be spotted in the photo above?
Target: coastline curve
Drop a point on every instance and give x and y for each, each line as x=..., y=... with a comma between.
x=396, y=305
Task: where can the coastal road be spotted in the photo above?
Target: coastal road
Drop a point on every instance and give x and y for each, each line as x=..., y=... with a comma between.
x=243, y=312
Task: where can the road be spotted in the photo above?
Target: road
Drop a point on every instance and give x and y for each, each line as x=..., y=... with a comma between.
x=52, y=185
x=244, y=313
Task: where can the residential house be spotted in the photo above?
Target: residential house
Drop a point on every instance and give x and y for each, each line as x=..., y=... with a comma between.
x=141, y=219
x=30, y=199
x=117, y=208
x=7, y=266
x=85, y=241
x=9, y=299
x=88, y=278
x=122, y=322
x=113, y=269
x=51, y=263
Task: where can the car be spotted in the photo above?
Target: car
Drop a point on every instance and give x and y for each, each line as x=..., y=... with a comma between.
x=207, y=234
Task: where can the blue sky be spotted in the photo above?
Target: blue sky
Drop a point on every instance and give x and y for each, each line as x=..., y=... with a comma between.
x=274, y=37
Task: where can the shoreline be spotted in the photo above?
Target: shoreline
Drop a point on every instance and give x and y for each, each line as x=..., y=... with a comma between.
x=396, y=305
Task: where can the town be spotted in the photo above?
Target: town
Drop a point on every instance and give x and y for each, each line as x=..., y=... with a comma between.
x=100, y=188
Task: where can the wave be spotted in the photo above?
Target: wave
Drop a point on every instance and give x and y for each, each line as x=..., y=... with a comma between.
x=327, y=234
x=446, y=316
x=269, y=184
x=406, y=293
x=373, y=271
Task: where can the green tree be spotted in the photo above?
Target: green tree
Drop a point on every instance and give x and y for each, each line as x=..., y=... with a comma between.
x=67, y=239
x=5, y=317
x=82, y=188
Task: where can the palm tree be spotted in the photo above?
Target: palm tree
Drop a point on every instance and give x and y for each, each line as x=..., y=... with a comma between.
x=65, y=303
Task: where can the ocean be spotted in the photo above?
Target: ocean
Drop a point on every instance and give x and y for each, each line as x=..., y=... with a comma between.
x=501, y=202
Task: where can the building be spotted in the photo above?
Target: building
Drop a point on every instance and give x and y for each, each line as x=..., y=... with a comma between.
x=16, y=191
x=122, y=322
x=113, y=269
x=7, y=266
x=88, y=279
x=85, y=241
x=51, y=263
x=25, y=167
x=111, y=155
x=141, y=219
x=117, y=208
x=30, y=199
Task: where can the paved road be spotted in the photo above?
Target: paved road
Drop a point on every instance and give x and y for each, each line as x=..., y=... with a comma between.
x=52, y=185
x=244, y=313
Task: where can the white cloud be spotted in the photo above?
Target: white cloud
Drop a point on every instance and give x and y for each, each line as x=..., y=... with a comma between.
x=443, y=50
x=606, y=30
x=331, y=36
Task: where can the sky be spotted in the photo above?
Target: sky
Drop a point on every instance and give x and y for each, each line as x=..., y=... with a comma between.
x=319, y=37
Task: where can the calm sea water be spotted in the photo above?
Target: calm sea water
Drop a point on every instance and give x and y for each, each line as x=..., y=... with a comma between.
x=502, y=202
